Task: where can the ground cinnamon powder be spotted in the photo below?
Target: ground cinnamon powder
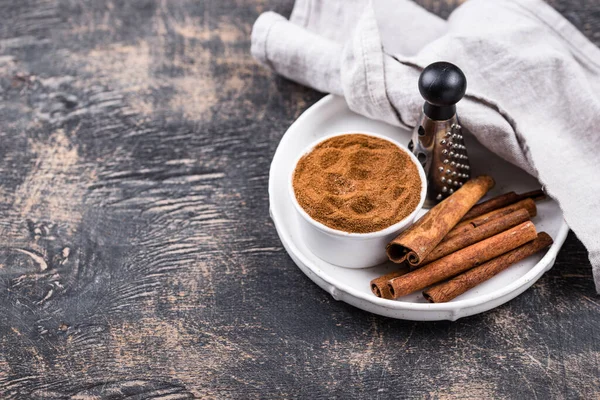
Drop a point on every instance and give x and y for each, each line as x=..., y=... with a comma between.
x=357, y=183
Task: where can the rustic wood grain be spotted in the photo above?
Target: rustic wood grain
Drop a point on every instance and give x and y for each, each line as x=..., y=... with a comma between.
x=137, y=257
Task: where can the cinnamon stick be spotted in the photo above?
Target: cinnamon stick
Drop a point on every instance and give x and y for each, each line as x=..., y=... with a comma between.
x=455, y=287
x=477, y=234
x=417, y=241
x=462, y=260
x=503, y=200
x=465, y=226
x=379, y=286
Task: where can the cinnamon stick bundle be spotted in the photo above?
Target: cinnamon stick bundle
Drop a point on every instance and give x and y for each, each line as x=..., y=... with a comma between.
x=462, y=260
x=415, y=243
x=379, y=286
x=465, y=226
x=503, y=200
x=455, y=287
x=477, y=234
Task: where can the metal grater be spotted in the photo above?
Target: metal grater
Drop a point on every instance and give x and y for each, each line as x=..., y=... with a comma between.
x=437, y=141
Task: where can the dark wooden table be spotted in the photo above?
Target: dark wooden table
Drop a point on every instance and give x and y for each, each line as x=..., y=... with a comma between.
x=137, y=257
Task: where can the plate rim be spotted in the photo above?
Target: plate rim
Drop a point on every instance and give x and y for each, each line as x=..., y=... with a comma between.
x=544, y=264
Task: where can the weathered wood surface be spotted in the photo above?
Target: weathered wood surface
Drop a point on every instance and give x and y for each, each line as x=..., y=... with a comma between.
x=137, y=257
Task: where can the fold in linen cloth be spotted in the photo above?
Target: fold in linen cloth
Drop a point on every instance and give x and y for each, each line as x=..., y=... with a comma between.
x=533, y=81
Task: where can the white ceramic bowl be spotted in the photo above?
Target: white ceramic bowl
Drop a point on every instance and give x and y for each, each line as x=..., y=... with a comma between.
x=331, y=115
x=352, y=250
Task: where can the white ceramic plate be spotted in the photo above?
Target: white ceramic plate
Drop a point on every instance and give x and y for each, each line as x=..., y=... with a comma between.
x=331, y=115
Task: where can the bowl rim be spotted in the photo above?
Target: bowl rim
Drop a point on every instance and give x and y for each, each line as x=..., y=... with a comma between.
x=368, y=235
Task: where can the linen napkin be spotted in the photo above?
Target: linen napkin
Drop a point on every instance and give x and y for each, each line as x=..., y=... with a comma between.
x=533, y=81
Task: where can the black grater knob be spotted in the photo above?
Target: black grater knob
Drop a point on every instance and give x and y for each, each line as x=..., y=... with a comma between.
x=442, y=85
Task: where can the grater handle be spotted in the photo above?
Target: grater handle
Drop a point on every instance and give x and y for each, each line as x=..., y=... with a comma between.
x=442, y=85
